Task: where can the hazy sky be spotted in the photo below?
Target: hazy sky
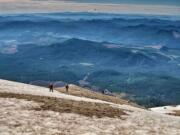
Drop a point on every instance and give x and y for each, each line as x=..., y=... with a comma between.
x=152, y=2
x=160, y=7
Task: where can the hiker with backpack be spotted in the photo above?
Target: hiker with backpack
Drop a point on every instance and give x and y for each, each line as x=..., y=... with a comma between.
x=51, y=87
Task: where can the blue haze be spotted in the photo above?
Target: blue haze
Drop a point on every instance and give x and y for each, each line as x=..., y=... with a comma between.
x=151, y=2
x=135, y=54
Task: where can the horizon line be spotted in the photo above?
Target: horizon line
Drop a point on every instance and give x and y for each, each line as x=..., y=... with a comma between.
x=61, y=6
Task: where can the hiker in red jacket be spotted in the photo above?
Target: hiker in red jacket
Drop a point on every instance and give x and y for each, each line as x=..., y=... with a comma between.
x=51, y=87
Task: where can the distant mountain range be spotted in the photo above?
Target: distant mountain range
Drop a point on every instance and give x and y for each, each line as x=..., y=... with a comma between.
x=137, y=71
x=136, y=55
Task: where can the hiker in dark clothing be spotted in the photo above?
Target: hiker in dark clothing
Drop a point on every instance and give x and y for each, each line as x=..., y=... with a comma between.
x=67, y=87
x=51, y=87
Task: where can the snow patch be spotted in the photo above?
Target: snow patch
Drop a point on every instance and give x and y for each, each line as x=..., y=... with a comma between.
x=157, y=47
x=86, y=64
x=176, y=34
x=9, y=47
x=113, y=46
x=175, y=56
x=20, y=88
x=165, y=55
x=134, y=51
x=18, y=117
x=166, y=109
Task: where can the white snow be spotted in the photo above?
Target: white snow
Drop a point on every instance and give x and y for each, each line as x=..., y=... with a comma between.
x=166, y=109
x=18, y=117
x=21, y=88
x=135, y=51
x=175, y=56
x=176, y=34
x=8, y=47
x=113, y=46
x=86, y=64
x=166, y=55
x=158, y=47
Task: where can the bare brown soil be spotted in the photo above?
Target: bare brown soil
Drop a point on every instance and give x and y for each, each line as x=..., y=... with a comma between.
x=69, y=106
x=82, y=92
x=177, y=113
